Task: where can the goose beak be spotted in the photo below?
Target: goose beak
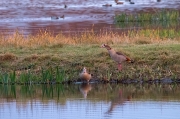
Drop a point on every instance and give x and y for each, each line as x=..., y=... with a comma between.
x=102, y=46
x=132, y=61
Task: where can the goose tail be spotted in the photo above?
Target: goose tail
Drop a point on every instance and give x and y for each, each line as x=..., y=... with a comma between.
x=129, y=60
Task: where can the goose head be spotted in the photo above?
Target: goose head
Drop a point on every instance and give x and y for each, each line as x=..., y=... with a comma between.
x=84, y=70
x=106, y=46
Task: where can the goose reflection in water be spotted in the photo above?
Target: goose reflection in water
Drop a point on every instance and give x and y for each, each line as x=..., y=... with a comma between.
x=85, y=88
x=119, y=100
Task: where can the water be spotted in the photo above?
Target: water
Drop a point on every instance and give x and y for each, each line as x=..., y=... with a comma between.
x=30, y=16
x=98, y=101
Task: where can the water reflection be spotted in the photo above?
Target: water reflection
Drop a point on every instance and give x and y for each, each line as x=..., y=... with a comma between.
x=85, y=88
x=119, y=100
x=113, y=101
x=99, y=91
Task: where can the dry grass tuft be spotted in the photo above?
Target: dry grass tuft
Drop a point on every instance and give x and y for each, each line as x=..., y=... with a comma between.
x=31, y=58
x=143, y=42
x=7, y=57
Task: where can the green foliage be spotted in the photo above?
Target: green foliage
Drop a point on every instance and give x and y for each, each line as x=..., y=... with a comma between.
x=47, y=75
x=5, y=77
x=161, y=15
x=161, y=18
x=25, y=77
x=12, y=77
x=60, y=74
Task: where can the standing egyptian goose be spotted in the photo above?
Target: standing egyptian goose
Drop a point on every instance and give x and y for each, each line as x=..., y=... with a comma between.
x=84, y=75
x=117, y=56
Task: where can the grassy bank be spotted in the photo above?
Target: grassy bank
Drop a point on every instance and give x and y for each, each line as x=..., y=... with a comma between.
x=48, y=58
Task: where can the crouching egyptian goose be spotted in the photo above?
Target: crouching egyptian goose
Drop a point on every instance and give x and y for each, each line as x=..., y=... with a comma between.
x=85, y=76
x=117, y=56
x=117, y=2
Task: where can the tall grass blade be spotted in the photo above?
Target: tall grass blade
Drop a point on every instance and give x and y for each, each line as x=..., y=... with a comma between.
x=12, y=77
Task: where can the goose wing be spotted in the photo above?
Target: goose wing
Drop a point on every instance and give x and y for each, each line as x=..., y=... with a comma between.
x=119, y=53
x=122, y=55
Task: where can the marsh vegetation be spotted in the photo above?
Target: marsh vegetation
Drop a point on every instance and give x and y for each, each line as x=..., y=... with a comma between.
x=163, y=18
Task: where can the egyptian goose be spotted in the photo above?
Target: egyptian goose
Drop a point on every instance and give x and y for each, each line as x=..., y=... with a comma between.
x=117, y=2
x=107, y=5
x=131, y=2
x=65, y=6
x=117, y=56
x=85, y=76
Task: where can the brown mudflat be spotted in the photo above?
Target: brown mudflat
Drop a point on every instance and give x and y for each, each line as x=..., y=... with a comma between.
x=71, y=15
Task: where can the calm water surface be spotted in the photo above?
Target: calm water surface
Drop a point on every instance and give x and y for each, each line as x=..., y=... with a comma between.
x=29, y=16
x=98, y=101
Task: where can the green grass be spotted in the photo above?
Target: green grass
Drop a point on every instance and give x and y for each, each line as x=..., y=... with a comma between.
x=152, y=61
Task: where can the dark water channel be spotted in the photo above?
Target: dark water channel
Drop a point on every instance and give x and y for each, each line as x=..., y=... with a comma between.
x=91, y=101
x=29, y=16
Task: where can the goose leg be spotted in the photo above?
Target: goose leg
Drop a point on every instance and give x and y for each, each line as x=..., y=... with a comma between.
x=119, y=67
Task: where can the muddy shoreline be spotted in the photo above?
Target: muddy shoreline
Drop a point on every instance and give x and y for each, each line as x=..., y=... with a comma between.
x=102, y=81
